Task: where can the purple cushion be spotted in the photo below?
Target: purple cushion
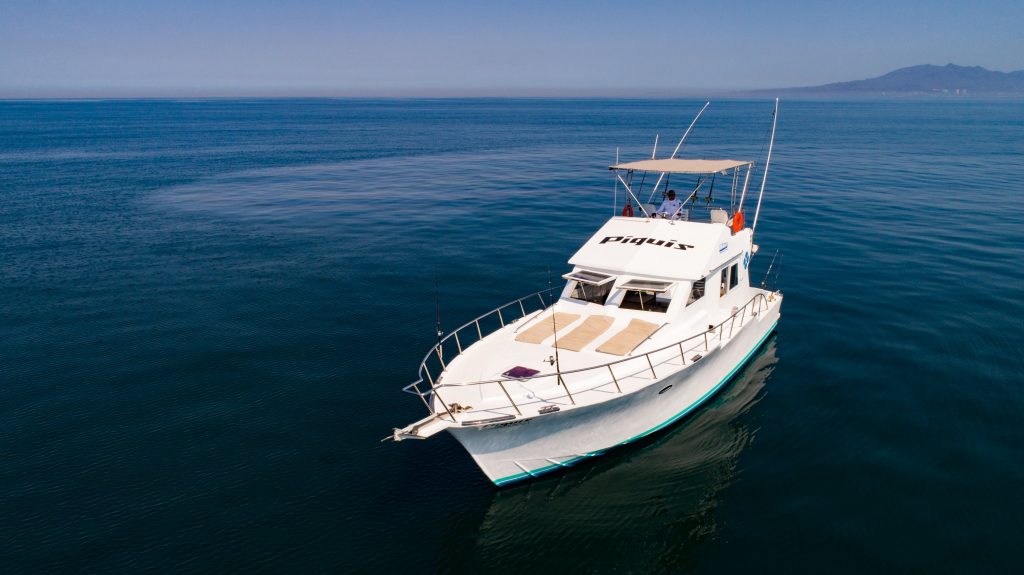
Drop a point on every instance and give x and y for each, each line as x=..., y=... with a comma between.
x=520, y=372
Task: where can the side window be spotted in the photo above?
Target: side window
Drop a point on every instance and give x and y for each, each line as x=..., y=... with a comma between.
x=725, y=282
x=696, y=292
x=734, y=275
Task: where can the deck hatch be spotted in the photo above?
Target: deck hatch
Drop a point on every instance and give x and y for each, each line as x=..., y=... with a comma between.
x=589, y=277
x=647, y=285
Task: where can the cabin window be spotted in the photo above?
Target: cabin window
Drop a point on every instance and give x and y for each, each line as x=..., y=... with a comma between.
x=590, y=286
x=696, y=292
x=730, y=278
x=646, y=295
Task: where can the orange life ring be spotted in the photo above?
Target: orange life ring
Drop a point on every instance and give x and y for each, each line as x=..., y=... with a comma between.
x=737, y=222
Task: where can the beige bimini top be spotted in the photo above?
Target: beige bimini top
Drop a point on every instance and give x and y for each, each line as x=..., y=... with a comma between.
x=681, y=166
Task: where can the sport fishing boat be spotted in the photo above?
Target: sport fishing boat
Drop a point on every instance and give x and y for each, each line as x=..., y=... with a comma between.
x=657, y=314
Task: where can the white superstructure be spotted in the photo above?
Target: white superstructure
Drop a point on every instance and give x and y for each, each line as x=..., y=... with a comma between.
x=656, y=315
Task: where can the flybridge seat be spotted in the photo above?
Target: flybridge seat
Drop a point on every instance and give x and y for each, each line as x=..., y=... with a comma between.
x=631, y=336
x=585, y=333
x=544, y=329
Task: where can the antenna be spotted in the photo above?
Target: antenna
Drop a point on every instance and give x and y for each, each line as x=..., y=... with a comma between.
x=764, y=178
x=654, y=152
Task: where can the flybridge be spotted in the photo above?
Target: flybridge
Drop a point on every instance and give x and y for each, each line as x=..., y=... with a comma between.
x=708, y=171
x=642, y=247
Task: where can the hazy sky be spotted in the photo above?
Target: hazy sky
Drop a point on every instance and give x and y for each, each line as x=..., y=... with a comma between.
x=524, y=47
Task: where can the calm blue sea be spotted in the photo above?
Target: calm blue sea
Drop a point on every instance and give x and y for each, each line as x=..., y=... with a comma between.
x=208, y=309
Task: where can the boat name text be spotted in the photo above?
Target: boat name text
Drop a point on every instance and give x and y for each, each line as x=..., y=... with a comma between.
x=639, y=241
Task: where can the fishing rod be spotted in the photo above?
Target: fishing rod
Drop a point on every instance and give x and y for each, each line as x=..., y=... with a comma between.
x=554, y=325
x=437, y=308
x=778, y=272
x=767, y=273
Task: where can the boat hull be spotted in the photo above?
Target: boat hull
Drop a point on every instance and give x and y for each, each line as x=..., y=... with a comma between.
x=518, y=450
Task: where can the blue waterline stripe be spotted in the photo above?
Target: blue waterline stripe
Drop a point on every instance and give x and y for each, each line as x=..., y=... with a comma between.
x=662, y=425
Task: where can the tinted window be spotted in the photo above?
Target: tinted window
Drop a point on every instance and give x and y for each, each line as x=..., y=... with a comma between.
x=644, y=300
x=696, y=292
x=592, y=293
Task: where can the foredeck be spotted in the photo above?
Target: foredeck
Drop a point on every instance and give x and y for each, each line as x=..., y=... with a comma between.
x=473, y=390
x=489, y=358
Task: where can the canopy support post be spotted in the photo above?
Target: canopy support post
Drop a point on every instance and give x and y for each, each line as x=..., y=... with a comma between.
x=638, y=204
x=615, y=191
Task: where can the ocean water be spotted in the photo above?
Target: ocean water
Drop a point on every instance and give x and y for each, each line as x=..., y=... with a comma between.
x=208, y=309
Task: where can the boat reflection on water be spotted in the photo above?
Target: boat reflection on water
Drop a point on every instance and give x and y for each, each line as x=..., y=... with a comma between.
x=659, y=495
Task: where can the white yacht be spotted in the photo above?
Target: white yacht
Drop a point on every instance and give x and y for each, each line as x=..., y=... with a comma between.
x=657, y=314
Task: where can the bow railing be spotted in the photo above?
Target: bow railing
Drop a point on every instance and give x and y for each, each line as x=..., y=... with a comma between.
x=723, y=330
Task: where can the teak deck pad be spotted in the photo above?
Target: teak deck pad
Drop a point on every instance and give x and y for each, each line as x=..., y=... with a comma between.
x=585, y=333
x=544, y=329
x=631, y=336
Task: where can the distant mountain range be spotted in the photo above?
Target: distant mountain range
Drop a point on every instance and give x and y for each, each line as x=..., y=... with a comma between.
x=925, y=79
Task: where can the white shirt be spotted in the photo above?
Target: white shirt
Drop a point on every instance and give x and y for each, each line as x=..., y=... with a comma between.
x=669, y=207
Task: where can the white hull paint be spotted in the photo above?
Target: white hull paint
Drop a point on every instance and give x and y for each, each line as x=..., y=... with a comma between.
x=623, y=352
x=527, y=448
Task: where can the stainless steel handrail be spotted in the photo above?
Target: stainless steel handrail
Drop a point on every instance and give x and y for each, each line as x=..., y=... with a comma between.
x=438, y=348
x=760, y=297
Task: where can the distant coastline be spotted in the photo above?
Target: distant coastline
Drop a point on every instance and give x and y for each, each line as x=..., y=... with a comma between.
x=922, y=81
x=925, y=80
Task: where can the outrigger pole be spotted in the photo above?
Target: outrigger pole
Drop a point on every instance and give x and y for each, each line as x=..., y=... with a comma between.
x=764, y=178
x=679, y=145
x=692, y=124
